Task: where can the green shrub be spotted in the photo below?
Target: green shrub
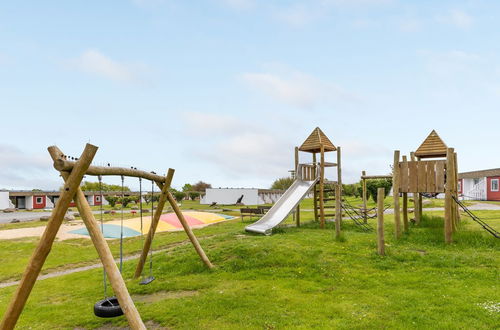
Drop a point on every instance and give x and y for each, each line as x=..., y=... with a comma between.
x=111, y=200
x=282, y=183
x=373, y=185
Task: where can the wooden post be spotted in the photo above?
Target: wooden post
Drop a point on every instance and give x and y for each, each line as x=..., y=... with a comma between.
x=405, y=205
x=395, y=193
x=321, y=188
x=44, y=246
x=448, y=217
x=420, y=200
x=297, y=210
x=416, y=196
x=456, y=186
x=102, y=248
x=188, y=230
x=338, y=193
x=454, y=209
x=154, y=223
x=315, y=194
x=338, y=211
x=363, y=183
x=380, y=222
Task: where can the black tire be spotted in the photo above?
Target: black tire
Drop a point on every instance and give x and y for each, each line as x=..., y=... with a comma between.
x=108, y=307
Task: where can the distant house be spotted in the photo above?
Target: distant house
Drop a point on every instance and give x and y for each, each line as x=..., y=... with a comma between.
x=32, y=200
x=480, y=185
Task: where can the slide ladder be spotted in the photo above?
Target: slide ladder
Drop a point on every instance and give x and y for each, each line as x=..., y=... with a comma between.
x=286, y=203
x=483, y=224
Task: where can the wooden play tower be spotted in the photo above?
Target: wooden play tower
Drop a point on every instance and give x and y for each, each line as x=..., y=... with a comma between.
x=432, y=169
x=319, y=143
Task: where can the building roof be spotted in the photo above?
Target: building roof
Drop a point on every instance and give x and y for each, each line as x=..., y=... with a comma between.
x=479, y=174
x=433, y=146
x=313, y=143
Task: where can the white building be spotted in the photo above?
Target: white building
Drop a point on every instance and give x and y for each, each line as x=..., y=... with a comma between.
x=249, y=196
x=5, y=202
x=480, y=185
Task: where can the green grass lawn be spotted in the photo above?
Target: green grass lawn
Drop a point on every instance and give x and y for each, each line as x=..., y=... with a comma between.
x=296, y=278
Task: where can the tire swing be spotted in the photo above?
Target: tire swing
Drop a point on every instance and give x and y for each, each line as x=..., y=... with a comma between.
x=109, y=306
x=150, y=278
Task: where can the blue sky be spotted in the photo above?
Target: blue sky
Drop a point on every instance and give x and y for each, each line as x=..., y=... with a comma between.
x=222, y=90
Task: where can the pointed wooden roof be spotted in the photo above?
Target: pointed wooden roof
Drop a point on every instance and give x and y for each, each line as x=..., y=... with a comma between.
x=313, y=143
x=432, y=147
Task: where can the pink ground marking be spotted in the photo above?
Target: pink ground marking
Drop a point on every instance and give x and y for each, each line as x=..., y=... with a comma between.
x=172, y=219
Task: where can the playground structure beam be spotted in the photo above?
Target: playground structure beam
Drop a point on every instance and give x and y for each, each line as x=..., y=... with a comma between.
x=63, y=165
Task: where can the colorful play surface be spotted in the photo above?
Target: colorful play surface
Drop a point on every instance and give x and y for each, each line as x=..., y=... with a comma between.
x=168, y=222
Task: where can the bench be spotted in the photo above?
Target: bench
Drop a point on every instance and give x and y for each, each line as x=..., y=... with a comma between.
x=251, y=212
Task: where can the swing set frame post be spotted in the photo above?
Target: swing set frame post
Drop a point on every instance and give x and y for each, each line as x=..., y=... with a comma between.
x=71, y=191
x=154, y=223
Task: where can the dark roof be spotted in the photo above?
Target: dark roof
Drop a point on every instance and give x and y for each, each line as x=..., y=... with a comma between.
x=479, y=174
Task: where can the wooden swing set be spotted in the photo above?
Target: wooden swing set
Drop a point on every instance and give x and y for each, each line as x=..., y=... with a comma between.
x=72, y=173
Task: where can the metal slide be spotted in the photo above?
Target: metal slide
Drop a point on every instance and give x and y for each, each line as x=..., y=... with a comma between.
x=285, y=204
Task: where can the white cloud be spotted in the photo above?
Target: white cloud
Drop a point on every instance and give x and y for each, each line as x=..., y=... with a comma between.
x=239, y=4
x=96, y=63
x=357, y=2
x=296, y=88
x=450, y=62
x=24, y=171
x=200, y=123
x=239, y=149
x=456, y=18
x=410, y=25
x=299, y=14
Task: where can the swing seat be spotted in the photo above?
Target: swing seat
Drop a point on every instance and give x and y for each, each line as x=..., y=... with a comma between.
x=108, y=307
x=147, y=280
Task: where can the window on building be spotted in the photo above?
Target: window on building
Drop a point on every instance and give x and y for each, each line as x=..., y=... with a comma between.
x=459, y=185
x=98, y=198
x=476, y=181
x=494, y=184
x=39, y=200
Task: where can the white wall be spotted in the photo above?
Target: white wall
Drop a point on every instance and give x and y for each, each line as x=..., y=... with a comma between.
x=228, y=196
x=5, y=202
x=269, y=198
x=48, y=203
x=29, y=202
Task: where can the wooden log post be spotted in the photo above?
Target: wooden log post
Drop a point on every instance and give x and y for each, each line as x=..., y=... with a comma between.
x=405, y=201
x=297, y=210
x=395, y=193
x=188, y=230
x=363, y=187
x=338, y=193
x=154, y=223
x=41, y=252
x=380, y=221
x=104, y=252
x=315, y=193
x=448, y=212
x=416, y=195
x=455, y=163
x=338, y=211
x=454, y=193
x=322, y=188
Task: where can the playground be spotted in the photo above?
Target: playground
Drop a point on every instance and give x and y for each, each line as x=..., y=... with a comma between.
x=327, y=261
